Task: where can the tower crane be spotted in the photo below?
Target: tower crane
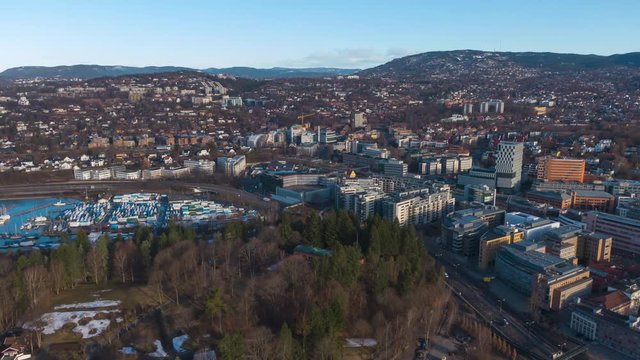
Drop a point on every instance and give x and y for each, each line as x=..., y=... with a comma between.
x=304, y=116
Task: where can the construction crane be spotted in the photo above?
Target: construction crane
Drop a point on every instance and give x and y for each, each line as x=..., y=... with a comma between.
x=302, y=117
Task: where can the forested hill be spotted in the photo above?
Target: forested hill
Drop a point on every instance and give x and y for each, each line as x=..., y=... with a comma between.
x=451, y=62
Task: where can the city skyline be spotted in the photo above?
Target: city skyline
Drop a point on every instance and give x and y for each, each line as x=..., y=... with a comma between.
x=328, y=34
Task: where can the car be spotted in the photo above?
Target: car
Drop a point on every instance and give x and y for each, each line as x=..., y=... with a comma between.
x=502, y=322
x=446, y=275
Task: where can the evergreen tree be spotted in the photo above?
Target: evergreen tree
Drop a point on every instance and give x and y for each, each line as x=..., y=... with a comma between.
x=232, y=346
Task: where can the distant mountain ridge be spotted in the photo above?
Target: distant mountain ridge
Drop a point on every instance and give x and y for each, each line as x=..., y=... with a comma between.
x=477, y=60
x=96, y=71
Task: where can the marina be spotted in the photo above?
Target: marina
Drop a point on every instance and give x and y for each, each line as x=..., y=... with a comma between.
x=40, y=223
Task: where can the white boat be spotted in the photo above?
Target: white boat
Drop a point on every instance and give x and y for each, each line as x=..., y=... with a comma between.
x=27, y=243
x=4, y=216
x=59, y=203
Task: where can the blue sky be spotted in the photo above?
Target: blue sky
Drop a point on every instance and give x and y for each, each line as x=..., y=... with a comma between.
x=303, y=33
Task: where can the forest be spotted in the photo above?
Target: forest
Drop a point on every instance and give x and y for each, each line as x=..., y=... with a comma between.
x=250, y=295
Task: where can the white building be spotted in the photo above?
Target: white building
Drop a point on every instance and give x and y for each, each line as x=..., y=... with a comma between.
x=234, y=166
x=202, y=167
x=509, y=165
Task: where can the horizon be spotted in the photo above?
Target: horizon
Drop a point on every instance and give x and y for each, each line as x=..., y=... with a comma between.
x=353, y=35
x=310, y=67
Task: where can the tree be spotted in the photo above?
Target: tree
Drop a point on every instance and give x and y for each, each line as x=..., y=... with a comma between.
x=35, y=282
x=215, y=306
x=121, y=260
x=232, y=346
x=313, y=231
x=285, y=343
x=98, y=260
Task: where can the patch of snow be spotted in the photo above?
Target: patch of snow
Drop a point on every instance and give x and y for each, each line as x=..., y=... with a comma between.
x=128, y=350
x=119, y=319
x=356, y=343
x=178, y=341
x=49, y=323
x=92, y=328
x=159, y=350
x=89, y=305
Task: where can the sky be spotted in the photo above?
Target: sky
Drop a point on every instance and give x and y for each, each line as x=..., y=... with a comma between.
x=302, y=33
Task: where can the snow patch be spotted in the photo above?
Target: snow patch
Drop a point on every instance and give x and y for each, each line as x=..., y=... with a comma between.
x=89, y=305
x=49, y=323
x=128, y=350
x=178, y=341
x=159, y=350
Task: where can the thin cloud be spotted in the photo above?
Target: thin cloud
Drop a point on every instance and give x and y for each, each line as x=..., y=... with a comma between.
x=350, y=58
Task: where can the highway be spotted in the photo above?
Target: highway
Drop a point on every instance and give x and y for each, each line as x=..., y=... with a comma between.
x=526, y=337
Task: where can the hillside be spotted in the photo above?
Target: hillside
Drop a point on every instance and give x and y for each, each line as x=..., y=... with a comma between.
x=96, y=71
x=461, y=62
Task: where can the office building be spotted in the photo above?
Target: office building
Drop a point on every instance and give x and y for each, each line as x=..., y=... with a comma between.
x=560, y=169
x=509, y=165
x=462, y=230
x=551, y=281
x=232, y=166
x=557, y=199
x=594, y=247
x=327, y=136
x=629, y=207
x=479, y=194
x=532, y=226
x=617, y=332
x=622, y=187
x=359, y=120
x=395, y=167
x=478, y=176
x=491, y=242
x=201, y=167
x=564, y=186
x=625, y=232
x=586, y=200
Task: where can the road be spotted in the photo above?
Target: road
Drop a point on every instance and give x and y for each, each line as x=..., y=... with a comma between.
x=80, y=187
x=526, y=337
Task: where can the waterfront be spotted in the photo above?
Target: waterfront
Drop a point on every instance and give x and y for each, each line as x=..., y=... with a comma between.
x=40, y=223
